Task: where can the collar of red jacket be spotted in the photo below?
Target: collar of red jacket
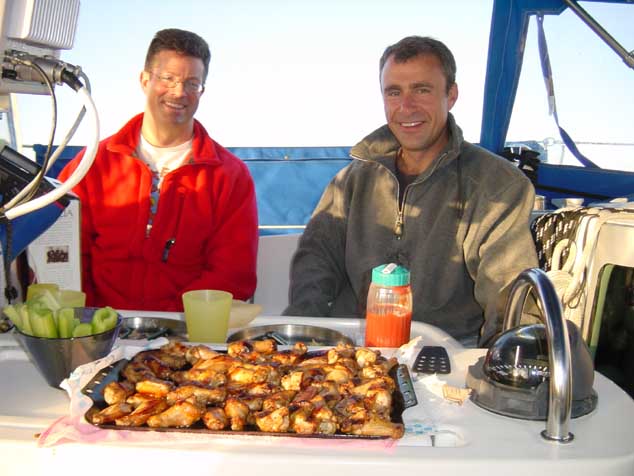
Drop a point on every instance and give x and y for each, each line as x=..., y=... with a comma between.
x=126, y=140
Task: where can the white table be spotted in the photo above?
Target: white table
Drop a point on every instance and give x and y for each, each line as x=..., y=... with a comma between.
x=470, y=440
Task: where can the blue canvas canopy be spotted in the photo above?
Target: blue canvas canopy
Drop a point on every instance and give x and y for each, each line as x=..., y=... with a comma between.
x=288, y=180
x=509, y=27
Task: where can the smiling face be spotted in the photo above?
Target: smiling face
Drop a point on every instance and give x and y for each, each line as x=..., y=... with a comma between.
x=417, y=103
x=170, y=110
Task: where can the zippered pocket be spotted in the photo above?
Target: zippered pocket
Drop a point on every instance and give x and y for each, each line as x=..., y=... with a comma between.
x=170, y=242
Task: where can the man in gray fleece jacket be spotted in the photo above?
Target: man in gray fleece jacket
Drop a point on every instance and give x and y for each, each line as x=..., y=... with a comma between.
x=454, y=214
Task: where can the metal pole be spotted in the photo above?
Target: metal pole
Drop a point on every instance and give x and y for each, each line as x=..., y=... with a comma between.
x=627, y=57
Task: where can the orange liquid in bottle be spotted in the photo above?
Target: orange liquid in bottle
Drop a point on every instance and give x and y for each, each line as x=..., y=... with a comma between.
x=388, y=329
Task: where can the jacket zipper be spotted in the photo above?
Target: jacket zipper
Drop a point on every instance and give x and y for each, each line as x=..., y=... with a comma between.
x=400, y=222
x=398, y=226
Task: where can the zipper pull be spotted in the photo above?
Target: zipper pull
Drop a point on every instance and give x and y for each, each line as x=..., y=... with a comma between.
x=166, y=251
x=398, y=227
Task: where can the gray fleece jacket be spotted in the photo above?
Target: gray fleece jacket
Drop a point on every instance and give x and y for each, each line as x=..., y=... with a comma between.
x=463, y=232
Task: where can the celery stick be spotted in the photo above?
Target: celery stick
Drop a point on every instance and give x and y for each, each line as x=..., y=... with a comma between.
x=55, y=321
x=43, y=323
x=82, y=330
x=45, y=300
x=26, y=319
x=12, y=313
x=103, y=320
x=66, y=322
x=36, y=289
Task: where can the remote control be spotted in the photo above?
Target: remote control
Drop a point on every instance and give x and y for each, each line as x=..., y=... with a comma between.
x=432, y=359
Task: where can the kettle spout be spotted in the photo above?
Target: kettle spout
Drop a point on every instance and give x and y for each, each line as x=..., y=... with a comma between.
x=560, y=397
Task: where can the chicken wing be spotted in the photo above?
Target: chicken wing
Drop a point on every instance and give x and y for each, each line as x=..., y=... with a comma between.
x=277, y=400
x=378, y=382
x=276, y=421
x=301, y=423
x=117, y=392
x=180, y=415
x=215, y=418
x=316, y=361
x=379, y=401
x=342, y=351
x=160, y=368
x=327, y=422
x=264, y=346
x=237, y=412
x=136, y=371
x=199, y=352
x=365, y=356
x=208, y=377
x=381, y=368
x=238, y=348
x=141, y=413
x=220, y=363
x=338, y=373
x=111, y=413
x=175, y=348
x=285, y=357
x=352, y=408
x=203, y=396
x=311, y=397
x=248, y=373
x=173, y=360
x=374, y=426
x=154, y=387
x=138, y=398
x=293, y=381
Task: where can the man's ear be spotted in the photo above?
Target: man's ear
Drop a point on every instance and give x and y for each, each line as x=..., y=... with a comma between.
x=452, y=95
x=144, y=79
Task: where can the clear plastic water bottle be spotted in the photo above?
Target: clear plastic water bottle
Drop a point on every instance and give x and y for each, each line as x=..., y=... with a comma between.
x=389, y=308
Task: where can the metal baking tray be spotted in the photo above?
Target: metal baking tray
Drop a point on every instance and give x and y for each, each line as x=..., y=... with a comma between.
x=402, y=398
x=289, y=334
x=152, y=328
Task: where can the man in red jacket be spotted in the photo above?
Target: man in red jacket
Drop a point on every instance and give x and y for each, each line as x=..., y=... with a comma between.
x=165, y=209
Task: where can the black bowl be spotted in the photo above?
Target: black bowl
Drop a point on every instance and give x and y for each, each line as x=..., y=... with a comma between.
x=55, y=359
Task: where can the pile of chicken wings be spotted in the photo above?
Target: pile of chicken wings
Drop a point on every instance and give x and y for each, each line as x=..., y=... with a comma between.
x=255, y=387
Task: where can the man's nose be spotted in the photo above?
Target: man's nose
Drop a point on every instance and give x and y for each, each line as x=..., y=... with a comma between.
x=407, y=103
x=179, y=89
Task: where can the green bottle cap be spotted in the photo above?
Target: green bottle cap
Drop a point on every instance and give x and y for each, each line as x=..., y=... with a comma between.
x=390, y=275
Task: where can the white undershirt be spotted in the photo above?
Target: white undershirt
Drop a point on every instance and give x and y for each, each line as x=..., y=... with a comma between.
x=163, y=160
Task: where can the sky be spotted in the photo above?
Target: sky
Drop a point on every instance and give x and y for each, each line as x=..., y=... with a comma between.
x=305, y=73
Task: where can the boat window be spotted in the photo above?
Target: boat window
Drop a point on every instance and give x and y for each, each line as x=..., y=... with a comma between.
x=593, y=89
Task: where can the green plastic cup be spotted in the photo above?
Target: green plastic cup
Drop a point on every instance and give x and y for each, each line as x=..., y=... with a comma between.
x=207, y=314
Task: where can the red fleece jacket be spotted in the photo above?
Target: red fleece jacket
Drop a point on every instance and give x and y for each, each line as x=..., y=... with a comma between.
x=207, y=207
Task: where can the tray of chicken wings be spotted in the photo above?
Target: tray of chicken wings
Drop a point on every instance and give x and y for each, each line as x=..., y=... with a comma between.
x=254, y=388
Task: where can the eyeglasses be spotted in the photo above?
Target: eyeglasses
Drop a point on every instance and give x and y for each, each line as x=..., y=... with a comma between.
x=192, y=86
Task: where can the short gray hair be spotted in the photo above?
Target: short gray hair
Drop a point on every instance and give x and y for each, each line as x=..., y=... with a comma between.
x=412, y=46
